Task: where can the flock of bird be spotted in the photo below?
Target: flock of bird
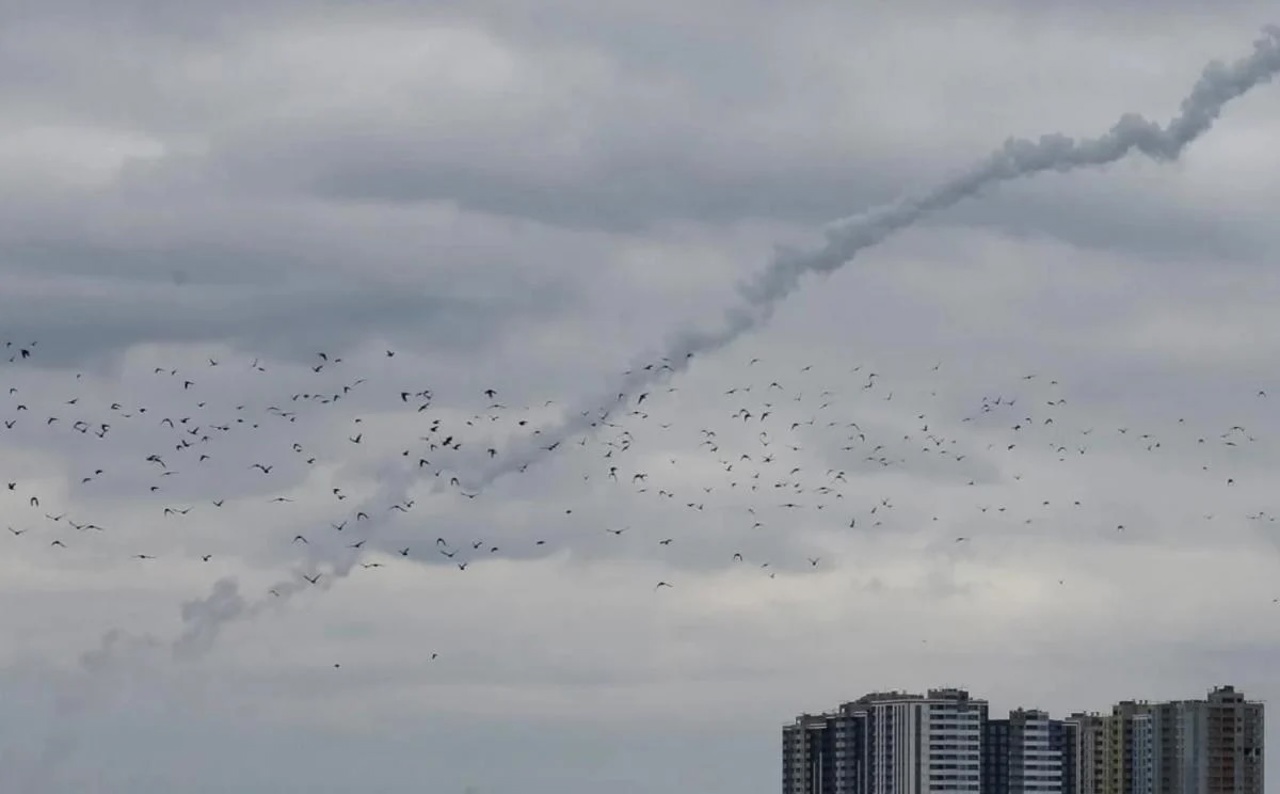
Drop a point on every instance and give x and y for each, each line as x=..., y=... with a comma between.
x=775, y=452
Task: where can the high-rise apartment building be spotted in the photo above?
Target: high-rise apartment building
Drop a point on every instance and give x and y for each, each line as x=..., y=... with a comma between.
x=808, y=756
x=1035, y=765
x=1062, y=738
x=930, y=744
x=1210, y=746
x=1089, y=738
x=1143, y=744
x=944, y=743
x=888, y=743
x=1124, y=729
x=1022, y=754
x=995, y=757
x=827, y=753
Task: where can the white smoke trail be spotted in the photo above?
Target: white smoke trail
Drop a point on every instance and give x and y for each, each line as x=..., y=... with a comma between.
x=1218, y=84
x=1016, y=158
x=121, y=661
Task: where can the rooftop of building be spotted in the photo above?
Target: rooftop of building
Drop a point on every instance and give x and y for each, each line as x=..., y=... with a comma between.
x=950, y=694
x=1125, y=709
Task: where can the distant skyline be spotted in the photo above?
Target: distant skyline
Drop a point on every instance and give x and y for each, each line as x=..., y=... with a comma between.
x=998, y=708
x=951, y=739
x=1056, y=487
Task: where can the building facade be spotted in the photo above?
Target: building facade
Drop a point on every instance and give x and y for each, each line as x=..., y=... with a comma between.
x=1062, y=737
x=995, y=757
x=1212, y=746
x=1125, y=729
x=1143, y=766
x=807, y=753
x=1089, y=736
x=1035, y=765
x=888, y=743
x=944, y=742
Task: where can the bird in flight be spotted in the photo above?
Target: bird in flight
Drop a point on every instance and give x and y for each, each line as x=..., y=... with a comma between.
x=765, y=456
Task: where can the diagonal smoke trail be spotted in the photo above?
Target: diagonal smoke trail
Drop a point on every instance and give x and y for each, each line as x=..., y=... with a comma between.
x=1016, y=158
x=1217, y=85
x=120, y=662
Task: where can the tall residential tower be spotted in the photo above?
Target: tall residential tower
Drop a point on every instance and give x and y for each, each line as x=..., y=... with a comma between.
x=1210, y=746
x=944, y=742
x=888, y=743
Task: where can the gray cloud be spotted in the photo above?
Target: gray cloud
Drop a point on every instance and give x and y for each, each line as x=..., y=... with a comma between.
x=534, y=201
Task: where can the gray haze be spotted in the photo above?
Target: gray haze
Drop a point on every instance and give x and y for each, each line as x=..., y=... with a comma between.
x=545, y=204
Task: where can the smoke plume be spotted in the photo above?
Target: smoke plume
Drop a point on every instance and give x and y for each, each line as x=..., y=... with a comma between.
x=121, y=662
x=1016, y=158
x=758, y=297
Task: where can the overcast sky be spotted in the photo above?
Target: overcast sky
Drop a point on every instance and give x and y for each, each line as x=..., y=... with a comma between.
x=1057, y=488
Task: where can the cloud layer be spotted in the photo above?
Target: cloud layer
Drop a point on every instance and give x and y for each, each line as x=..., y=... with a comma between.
x=1055, y=489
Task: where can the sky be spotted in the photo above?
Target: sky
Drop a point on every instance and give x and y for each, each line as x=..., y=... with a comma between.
x=364, y=440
